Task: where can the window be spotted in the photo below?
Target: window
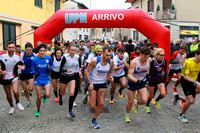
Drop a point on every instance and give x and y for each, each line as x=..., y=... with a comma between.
x=150, y=5
x=189, y=28
x=57, y=5
x=108, y=29
x=137, y=36
x=9, y=34
x=167, y=4
x=38, y=3
x=80, y=37
x=85, y=37
x=133, y=35
x=57, y=37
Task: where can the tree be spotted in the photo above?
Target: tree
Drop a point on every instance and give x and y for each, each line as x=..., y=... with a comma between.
x=158, y=8
x=173, y=7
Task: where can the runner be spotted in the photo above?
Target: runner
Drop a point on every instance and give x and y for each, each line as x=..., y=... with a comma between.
x=55, y=73
x=136, y=53
x=68, y=67
x=137, y=81
x=96, y=73
x=10, y=63
x=83, y=64
x=176, y=62
x=189, y=83
x=42, y=65
x=97, y=51
x=26, y=76
x=119, y=74
x=158, y=64
x=78, y=75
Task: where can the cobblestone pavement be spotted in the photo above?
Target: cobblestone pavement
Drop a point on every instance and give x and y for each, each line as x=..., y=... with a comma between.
x=53, y=117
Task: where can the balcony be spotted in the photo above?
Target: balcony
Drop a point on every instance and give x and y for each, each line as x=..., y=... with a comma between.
x=166, y=14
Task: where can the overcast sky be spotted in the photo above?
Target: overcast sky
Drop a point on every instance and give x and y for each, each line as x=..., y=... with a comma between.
x=105, y=4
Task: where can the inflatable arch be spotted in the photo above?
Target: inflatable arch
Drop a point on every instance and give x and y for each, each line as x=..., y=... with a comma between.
x=111, y=18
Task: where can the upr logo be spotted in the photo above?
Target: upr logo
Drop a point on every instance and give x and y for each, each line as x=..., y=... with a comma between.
x=74, y=17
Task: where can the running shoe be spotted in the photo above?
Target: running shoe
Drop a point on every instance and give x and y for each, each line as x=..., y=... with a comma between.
x=127, y=119
x=37, y=113
x=135, y=109
x=71, y=114
x=112, y=101
x=12, y=110
x=95, y=124
x=56, y=99
x=166, y=91
x=120, y=95
x=174, y=88
x=85, y=98
x=22, y=92
x=181, y=103
x=60, y=102
x=183, y=118
x=153, y=101
x=30, y=93
x=74, y=104
x=147, y=109
x=175, y=98
x=136, y=95
x=20, y=106
x=29, y=103
x=158, y=106
x=44, y=99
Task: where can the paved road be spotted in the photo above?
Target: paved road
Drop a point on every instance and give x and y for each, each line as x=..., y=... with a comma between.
x=53, y=117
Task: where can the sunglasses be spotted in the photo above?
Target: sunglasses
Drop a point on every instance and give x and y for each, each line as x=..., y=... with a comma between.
x=161, y=54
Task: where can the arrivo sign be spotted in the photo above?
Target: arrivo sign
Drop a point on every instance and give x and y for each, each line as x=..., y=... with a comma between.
x=82, y=17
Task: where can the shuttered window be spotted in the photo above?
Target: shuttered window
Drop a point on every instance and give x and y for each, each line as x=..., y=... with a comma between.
x=9, y=33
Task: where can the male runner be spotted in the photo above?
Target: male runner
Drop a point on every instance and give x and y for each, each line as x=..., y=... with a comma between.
x=137, y=81
x=176, y=62
x=10, y=63
x=96, y=73
x=42, y=65
x=189, y=83
x=26, y=76
x=119, y=74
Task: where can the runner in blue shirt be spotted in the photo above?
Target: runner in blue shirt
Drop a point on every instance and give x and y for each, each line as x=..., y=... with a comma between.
x=42, y=65
x=26, y=76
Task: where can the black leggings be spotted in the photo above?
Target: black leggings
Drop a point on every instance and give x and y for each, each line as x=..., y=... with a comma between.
x=72, y=98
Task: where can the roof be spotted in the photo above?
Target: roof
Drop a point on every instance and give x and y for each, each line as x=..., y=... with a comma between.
x=130, y=1
x=81, y=4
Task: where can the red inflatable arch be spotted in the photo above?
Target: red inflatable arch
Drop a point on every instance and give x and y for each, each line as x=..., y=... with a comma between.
x=114, y=18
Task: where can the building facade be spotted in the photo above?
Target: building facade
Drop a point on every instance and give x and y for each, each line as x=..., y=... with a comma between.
x=76, y=33
x=19, y=19
x=181, y=17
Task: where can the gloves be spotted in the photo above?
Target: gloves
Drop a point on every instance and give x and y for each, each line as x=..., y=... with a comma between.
x=140, y=82
x=163, y=75
x=48, y=69
x=37, y=74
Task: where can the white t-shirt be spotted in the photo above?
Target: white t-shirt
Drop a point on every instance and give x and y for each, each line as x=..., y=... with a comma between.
x=119, y=62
